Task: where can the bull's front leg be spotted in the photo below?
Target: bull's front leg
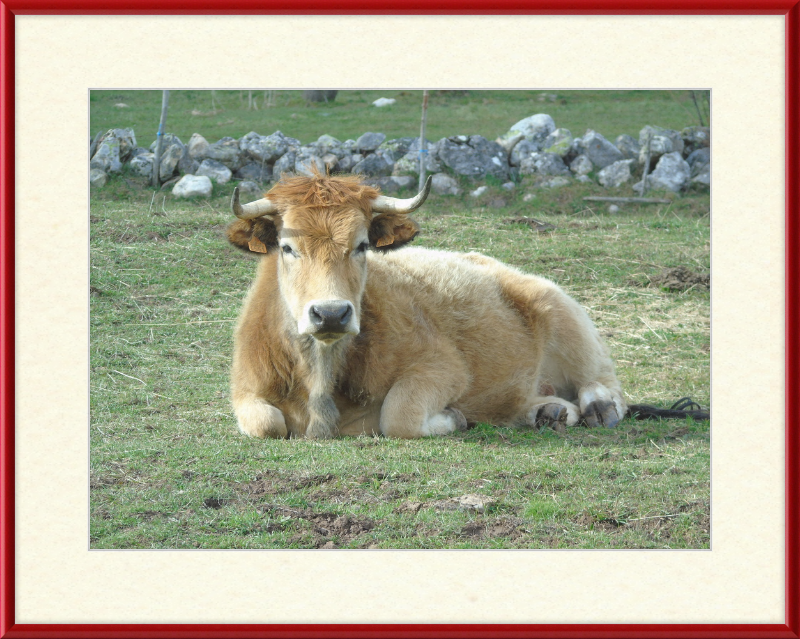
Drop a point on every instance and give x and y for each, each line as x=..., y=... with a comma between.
x=258, y=418
x=420, y=404
x=323, y=417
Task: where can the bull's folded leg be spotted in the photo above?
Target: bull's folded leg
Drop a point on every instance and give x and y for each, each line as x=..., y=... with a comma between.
x=258, y=418
x=554, y=412
x=419, y=404
x=323, y=417
x=552, y=415
x=600, y=406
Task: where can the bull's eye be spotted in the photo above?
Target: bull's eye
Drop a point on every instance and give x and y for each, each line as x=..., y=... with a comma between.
x=361, y=248
x=288, y=250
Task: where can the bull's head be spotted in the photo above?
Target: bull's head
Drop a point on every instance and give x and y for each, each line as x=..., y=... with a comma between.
x=322, y=228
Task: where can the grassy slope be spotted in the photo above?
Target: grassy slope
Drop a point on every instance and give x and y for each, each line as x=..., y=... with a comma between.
x=169, y=469
x=487, y=113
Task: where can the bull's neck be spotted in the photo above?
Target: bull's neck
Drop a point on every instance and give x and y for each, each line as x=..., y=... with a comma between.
x=324, y=362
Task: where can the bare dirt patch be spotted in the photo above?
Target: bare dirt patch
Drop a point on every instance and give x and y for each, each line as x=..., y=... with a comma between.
x=509, y=528
x=535, y=225
x=328, y=529
x=681, y=278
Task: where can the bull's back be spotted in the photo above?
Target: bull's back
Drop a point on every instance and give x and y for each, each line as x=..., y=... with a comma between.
x=459, y=301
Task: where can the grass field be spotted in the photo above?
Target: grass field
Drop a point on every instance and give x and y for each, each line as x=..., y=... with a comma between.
x=487, y=113
x=169, y=468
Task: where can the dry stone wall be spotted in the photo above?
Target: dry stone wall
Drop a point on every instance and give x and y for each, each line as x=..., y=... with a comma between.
x=534, y=146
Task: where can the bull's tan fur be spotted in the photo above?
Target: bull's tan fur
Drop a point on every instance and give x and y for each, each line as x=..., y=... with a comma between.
x=437, y=330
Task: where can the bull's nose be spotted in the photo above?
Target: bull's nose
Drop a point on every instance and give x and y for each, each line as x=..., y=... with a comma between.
x=330, y=317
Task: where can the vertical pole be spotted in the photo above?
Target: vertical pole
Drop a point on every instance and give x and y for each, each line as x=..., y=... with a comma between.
x=646, y=164
x=423, y=147
x=159, y=138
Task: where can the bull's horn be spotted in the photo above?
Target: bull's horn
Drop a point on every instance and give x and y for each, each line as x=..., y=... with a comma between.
x=252, y=210
x=383, y=204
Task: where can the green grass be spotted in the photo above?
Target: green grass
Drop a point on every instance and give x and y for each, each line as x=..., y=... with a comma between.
x=487, y=113
x=170, y=470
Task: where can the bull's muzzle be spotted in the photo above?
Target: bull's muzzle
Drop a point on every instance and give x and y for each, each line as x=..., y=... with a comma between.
x=330, y=319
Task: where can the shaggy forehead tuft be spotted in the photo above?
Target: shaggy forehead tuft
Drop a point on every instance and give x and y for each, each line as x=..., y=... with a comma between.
x=323, y=212
x=323, y=191
x=325, y=233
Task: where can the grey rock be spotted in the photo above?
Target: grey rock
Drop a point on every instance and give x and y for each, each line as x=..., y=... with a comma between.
x=522, y=151
x=369, y=141
x=197, y=146
x=443, y=184
x=227, y=152
x=263, y=148
x=255, y=172
x=558, y=142
x=106, y=158
x=409, y=163
x=397, y=148
x=581, y=165
x=473, y=156
x=613, y=208
x=217, y=171
x=699, y=161
x=599, y=150
x=628, y=146
x=534, y=128
x=672, y=173
x=585, y=179
x=97, y=178
x=127, y=142
x=167, y=140
x=543, y=164
x=508, y=186
x=616, y=174
x=284, y=165
x=114, y=148
x=375, y=165
x=142, y=164
x=187, y=164
x=346, y=163
x=193, y=186
x=662, y=142
x=169, y=160
x=325, y=143
x=695, y=137
x=702, y=180
x=308, y=151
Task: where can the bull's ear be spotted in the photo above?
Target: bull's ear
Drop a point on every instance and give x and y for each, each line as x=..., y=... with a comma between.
x=254, y=236
x=392, y=230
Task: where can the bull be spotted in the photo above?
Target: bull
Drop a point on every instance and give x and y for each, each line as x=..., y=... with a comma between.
x=346, y=330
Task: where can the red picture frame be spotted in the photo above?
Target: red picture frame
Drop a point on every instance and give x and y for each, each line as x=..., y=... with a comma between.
x=790, y=9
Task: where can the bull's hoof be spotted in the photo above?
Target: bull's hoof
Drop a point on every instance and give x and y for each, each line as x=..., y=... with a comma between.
x=319, y=431
x=552, y=415
x=458, y=418
x=601, y=413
